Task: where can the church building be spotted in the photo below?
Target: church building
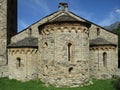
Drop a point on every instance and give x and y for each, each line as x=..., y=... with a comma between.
x=61, y=49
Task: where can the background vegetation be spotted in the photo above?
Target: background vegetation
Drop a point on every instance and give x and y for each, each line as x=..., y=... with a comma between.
x=117, y=31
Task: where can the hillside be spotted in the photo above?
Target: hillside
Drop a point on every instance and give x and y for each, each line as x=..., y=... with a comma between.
x=117, y=31
x=113, y=26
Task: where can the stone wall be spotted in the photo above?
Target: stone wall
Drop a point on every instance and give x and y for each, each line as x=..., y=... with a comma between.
x=64, y=56
x=3, y=31
x=103, y=67
x=103, y=34
x=31, y=30
x=22, y=63
x=61, y=64
x=96, y=53
x=4, y=71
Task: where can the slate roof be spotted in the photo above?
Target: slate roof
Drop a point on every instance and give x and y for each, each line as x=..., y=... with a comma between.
x=26, y=42
x=50, y=17
x=64, y=17
x=68, y=17
x=100, y=41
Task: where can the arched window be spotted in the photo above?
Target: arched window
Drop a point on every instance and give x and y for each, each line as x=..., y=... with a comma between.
x=105, y=59
x=18, y=62
x=45, y=45
x=69, y=51
x=30, y=31
x=70, y=69
x=98, y=31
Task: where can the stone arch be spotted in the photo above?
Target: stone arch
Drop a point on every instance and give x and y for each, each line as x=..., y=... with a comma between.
x=46, y=31
x=33, y=51
x=70, y=69
x=17, y=51
x=13, y=51
x=73, y=29
x=29, y=51
x=52, y=31
x=45, y=44
x=18, y=64
x=59, y=30
x=79, y=29
x=66, y=29
x=22, y=52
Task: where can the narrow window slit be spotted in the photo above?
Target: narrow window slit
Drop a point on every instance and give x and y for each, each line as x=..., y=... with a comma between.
x=98, y=31
x=105, y=59
x=69, y=51
x=18, y=62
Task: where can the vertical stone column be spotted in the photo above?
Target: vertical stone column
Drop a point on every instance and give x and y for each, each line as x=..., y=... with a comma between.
x=8, y=26
x=3, y=31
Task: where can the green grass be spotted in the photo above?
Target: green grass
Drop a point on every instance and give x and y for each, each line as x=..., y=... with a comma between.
x=6, y=84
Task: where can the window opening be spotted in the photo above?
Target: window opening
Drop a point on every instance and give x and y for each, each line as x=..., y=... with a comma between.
x=45, y=45
x=18, y=62
x=69, y=51
x=30, y=32
x=70, y=69
x=98, y=31
x=104, y=59
x=46, y=66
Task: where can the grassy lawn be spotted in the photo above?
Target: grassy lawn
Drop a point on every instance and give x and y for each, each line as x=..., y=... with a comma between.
x=6, y=84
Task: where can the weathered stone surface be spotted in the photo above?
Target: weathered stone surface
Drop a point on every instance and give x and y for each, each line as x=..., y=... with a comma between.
x=3, y=31
x=58, y=50
x=8, y=27
x=64, y=69
x=22, y=63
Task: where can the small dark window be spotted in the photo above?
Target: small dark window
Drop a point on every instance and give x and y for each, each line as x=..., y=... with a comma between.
x=30, y=31
x=18, y=62
x=69, y=51
x=105, y=59
x=0, y=5
x=98, y=31
x=45, y=45
x=46, y=66
x=70, y=69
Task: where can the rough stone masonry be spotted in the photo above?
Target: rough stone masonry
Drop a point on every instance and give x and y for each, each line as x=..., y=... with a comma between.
x=61, y=49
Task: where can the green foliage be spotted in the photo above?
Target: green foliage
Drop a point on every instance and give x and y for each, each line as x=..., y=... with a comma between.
x=116, y=84
x=117, y=31
x=6, y=84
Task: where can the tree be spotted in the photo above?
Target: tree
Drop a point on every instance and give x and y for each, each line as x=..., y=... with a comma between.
x=117, y=31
